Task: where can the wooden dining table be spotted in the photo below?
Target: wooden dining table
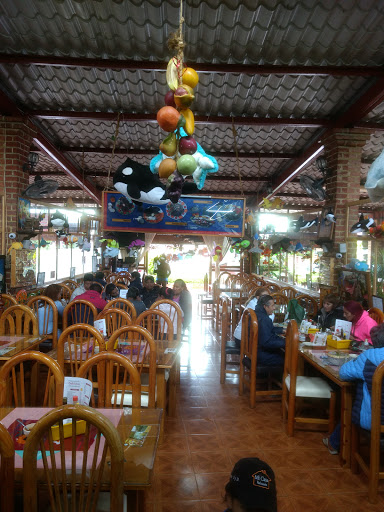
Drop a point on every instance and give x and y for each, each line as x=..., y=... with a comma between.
x=138, y=460
x=11, y=345
x=318, y=358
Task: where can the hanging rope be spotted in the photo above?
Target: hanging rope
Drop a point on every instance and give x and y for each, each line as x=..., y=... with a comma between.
x=106, y=186
x=176, y=44
x=234, y=132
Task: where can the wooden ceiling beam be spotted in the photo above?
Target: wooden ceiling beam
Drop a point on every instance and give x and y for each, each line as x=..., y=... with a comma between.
x=146, y=65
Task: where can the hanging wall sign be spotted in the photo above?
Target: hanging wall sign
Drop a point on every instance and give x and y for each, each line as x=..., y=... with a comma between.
x=191, y=215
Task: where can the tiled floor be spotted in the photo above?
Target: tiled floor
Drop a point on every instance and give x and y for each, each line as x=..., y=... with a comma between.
x=214, y=427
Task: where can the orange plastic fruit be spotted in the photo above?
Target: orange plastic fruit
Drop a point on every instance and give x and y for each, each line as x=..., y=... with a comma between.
x=167, y=167
x=190, y=77
x=168, y=118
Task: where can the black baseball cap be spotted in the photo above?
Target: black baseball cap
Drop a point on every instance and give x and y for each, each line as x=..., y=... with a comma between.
x=252, y=483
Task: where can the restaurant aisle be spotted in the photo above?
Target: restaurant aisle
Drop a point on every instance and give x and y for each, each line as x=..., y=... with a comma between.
x=214, y=427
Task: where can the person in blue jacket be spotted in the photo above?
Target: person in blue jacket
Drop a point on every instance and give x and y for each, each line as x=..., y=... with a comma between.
x=269, y=345
x=361, y=369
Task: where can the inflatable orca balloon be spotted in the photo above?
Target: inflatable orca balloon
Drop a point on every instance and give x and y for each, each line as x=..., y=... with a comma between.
x=375, y=179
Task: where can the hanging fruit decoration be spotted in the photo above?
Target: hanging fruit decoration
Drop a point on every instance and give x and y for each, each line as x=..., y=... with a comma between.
x=181, y=155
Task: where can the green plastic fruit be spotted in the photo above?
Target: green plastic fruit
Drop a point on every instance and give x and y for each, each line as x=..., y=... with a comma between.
x=186, y=165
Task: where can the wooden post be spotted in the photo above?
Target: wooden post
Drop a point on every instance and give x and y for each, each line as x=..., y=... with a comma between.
x=374, y=286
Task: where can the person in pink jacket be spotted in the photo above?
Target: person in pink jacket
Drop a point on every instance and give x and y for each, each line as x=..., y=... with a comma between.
x=362, y=323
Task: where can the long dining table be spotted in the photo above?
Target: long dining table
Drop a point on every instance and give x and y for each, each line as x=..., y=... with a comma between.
x=138, y=460
x=12, y=345
x=318, y=358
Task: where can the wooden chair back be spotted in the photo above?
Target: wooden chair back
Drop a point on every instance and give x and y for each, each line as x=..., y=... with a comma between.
x=7, y=470
x=120, y=286
x=124, y=277
x=377, y=315
x=175, y=314
x=19, y=320
x=114, y=319
x=46, y=309
x=23, y=383
x=110, y=278
x=124, y=304
x=310, y=305
x=289, y=291
x=75, y=345
x=138, y=345
x=237, y=283
x=74, y=481
x=72, y=285
x=79, y=311
x=225, y=350
x=224, y=280
x=258, y=280
x=281, y=302
x=291, y=354
x=66, y=291
x=8, y=300
x=273, y=288
x=157, y=323
x=116, y=376
x=106, y=274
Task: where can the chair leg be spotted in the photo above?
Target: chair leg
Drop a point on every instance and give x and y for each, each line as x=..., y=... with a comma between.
x=374, y=468
x=241, y=379
x=291, y=415
x=223, y=364
x=355, y=442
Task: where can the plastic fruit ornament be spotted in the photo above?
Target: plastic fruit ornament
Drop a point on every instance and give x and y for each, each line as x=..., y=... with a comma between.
x=189, y=120
x=187, y=145
x=167, y=167
x=184, y=96
x=171, y=74
x=190, y=77
x=169, y=145
x=169, y=119
x=186, y=165
x=169, y=100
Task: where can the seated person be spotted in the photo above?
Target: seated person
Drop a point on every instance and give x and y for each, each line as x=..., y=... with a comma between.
x=133, y=296
x=184, y=299
x=93, y=295
x=167, y=293
x=99, y=278
x=150, y=291
x=53, y=291
x=362, y=323
x=330, y=312
x=250, y=304
x=87, y=281
x=269, y=345
x=111, y=292
x=136, y=282
x=251, y=487
x=361, y=369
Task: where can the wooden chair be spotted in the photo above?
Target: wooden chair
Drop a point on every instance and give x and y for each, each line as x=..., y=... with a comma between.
x=19, y=320
x=310, y=305
x=205, y=301
x=281, y=302
x=111, y=277
x=117, y=378
x=369, y=461
x=114, y=319
x=79, y=311
x=121, y=286
x=157, y=323
x=66, y=291
x=377, y=315
x=138, y=345
x=124, y=277
x=47, y=309
x=75, y=345
x=258, y=280
x=228, y=348
x=296, y=388
x=8, y=300
x=251, y=373
x=174, y=312
x=69, y=482
x=18, y=390
x=124, y=304
x=72, y=285
x=224, y=280
x=273, y=288
x=7, y=470
x=289, y=291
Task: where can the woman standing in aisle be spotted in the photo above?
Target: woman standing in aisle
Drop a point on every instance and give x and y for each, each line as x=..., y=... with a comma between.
x=184, y=299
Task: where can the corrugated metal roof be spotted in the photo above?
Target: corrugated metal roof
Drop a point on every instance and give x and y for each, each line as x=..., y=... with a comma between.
x=292, y=33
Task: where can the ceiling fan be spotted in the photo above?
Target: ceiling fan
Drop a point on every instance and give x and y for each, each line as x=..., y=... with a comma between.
x=41, y=188
x=313, y=188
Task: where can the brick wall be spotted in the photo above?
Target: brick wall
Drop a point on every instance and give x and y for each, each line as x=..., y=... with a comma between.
x=15, y=143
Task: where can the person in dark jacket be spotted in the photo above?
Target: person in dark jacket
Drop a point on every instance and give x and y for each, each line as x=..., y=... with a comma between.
x=184, y=298
x=136, y=282
x=99, y=278
x=150, y=291
x=330, y=312
x=133, y=295
x=361, y=369
x=269, y=345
